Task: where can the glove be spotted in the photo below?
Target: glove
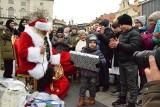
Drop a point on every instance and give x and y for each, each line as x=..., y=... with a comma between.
x=71, y=62
x=99, y=65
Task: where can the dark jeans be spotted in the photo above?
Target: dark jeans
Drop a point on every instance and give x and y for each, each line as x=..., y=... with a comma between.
x=104, y=77
x=47, y=78
x=128, y=79
x=8, y=66
x=88, y=83
x=117, y=77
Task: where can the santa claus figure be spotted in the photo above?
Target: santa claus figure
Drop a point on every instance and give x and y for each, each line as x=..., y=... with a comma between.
x=37, y=57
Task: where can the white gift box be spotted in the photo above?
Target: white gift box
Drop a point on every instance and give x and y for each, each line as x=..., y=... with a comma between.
x=84, y=60
x=12, y=93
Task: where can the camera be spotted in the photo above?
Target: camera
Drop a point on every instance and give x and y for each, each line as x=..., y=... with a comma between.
x=141, y=58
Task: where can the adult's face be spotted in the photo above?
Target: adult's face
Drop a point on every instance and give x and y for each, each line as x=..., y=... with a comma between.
x=101, y=29
x=60, y=34
x=44, y=33
x=74, y=31
x=151, y=22
x=95, y=26
x=83, y=37
x=24, y=23
x=11, y=25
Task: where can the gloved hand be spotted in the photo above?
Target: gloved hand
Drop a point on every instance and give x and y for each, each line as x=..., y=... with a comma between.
x=99, y=65
x=71, y=62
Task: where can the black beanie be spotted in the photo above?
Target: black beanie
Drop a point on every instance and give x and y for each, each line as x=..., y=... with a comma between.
x=125, y=20
x=104, y=23
x=60, y=30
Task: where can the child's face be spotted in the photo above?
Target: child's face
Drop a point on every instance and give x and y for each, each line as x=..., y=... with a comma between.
x=92, y=44
x=116, y=30
x=83, y=37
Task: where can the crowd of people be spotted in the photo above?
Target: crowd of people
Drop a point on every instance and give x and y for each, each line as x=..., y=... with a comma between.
x=41, y=50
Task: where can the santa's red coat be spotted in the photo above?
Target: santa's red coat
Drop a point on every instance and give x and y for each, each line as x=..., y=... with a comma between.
x=32, y=62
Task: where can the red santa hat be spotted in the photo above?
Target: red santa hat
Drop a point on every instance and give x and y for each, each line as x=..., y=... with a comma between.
x=41, y=24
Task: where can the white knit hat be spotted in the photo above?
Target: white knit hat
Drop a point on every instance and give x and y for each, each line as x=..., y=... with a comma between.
x=141, y=19
x=154, y=16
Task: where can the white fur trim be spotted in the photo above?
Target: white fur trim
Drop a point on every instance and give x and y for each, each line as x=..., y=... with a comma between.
x=34, y=55
x=43, y=26
x=55, y=59
x=38, y=71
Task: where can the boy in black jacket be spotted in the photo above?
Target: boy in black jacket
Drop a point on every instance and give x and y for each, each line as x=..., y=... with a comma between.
x=129, y=41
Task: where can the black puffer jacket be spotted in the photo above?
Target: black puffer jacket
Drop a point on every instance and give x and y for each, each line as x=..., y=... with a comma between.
x=104, y=45
x=130, y=41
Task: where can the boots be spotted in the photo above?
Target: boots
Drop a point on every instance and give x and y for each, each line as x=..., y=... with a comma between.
x=121, y=100
x=90, y=101
x=131, y=105
x=81, y=102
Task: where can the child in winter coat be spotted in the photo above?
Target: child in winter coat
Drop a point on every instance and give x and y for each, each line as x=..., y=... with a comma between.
x=89, y=77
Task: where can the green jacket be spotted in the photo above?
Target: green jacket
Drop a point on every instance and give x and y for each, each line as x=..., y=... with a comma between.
x=6, y=45
x=151, y=94
x=73, y=39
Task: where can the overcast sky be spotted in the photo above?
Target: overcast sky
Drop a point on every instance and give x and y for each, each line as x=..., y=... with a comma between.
x=84, y=11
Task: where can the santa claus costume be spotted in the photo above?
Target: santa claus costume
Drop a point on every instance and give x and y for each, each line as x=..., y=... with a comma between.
x=40, y=66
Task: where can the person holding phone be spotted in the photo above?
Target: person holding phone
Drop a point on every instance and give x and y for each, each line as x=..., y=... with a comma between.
x=151, y=90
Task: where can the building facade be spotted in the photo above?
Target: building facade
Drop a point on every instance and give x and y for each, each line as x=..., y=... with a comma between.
x=18, y=9
x=149, y=6
x=126, y=8
x=58, y=23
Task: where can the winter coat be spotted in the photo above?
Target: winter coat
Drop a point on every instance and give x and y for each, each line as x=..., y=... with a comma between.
x=30, y=59
x=95, y=51
x=6, y=45
x=115, y=52
x=151, y=94
x=72, y=40
x=103, y=40
x=129, y=42
x=60, y=46
x=2, y=28
x=147, y=39
x=80, y=45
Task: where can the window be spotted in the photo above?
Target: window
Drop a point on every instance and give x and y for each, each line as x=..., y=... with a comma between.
x=10, y=1
x=41, y=4
x=23, y=3
x=123, y=4
x=22, y=13
x=11, y=12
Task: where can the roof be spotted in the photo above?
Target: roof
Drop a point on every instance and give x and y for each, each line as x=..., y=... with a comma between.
x=135, y=7
x=145, y=1
x=110, y=17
